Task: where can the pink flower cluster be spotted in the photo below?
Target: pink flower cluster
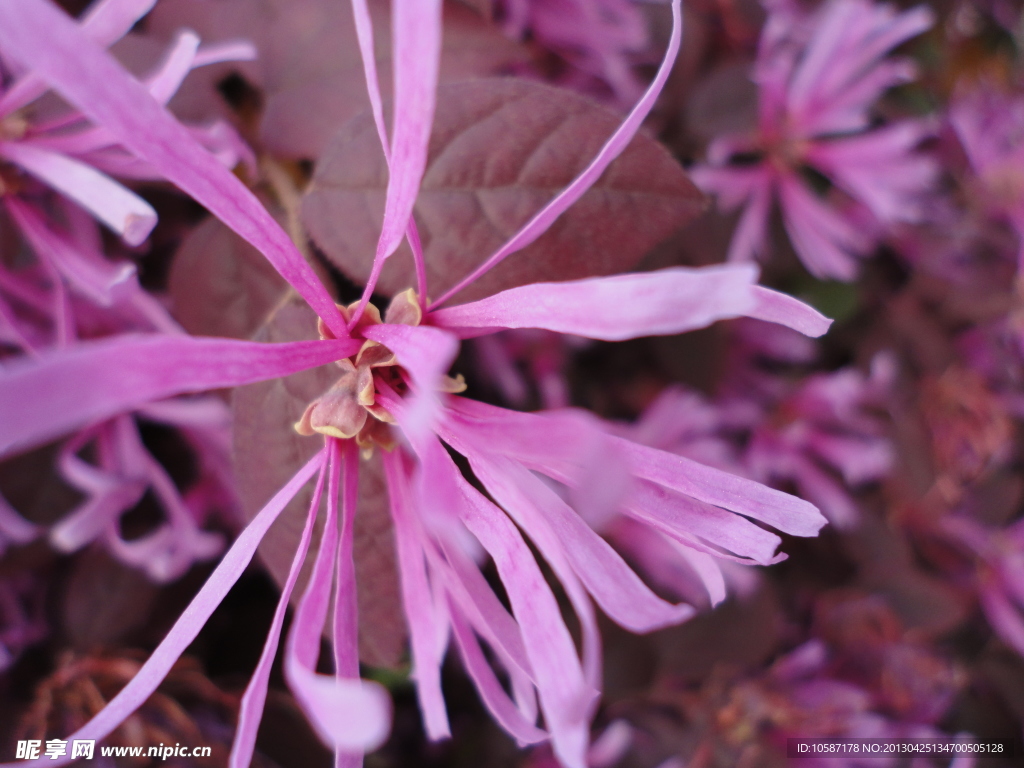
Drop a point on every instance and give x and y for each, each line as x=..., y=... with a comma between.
x=391, y=395
x=515, y=531
x=837, y=179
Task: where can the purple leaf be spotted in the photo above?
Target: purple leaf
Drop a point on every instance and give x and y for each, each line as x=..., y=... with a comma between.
x=104, y=600
x=723, y=101
x=309, y=65
x=500, y=149
x=31, y=484
x=220, y=285
x=268, y=451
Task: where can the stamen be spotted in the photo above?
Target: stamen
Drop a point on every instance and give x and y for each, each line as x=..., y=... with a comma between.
x=349, y=409
x=404, y=309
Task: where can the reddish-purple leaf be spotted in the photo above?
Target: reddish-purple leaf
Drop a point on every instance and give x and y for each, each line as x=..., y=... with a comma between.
x=484, y=7
x=309, y=65
x=886, y=566
x=723, y=101
x=104, y=601
x=500, y=149
x=723, y=636
x=220, y=285
x=31, y=483
x=268, y=452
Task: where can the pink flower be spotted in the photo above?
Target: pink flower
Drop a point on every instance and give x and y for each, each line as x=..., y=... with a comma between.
x=64, y=151
x=72, y=290
x=999, y=579
x=600, y=39
x=818, y=76
x=827, y=437
x=68, y=154
x=805, y=697
x=988, y=124
x=393, y=394
x=106, y=298
x=125, y=470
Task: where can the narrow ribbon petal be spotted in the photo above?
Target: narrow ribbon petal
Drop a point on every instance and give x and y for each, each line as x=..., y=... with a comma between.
x=225, y=51
x=346, y=607
x=251, y=709
x=613, y=308
x=564, y=693
x=566, y=703
x=475, y=599
x=670, y=563
x=493, y=695
x=681, y=516
x=775, y=307
x=416, y=28
x=560, y=444
x=468, y=595
x=722, y=489
x=85, y=523
x=346, y=619
x=348, y=715
x=364, y=34
x=416, y=46
x=420, y=608
x=120, y=209
x=177, y=62
x=114, y=375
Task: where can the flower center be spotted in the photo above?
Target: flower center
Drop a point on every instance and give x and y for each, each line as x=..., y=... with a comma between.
x=349, y=409
x=786, y=152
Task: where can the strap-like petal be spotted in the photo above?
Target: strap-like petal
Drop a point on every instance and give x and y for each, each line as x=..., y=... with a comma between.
x=250, y=711
x=416, y=43
x=115, y=205
x=44, y=397
x=615, y=308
